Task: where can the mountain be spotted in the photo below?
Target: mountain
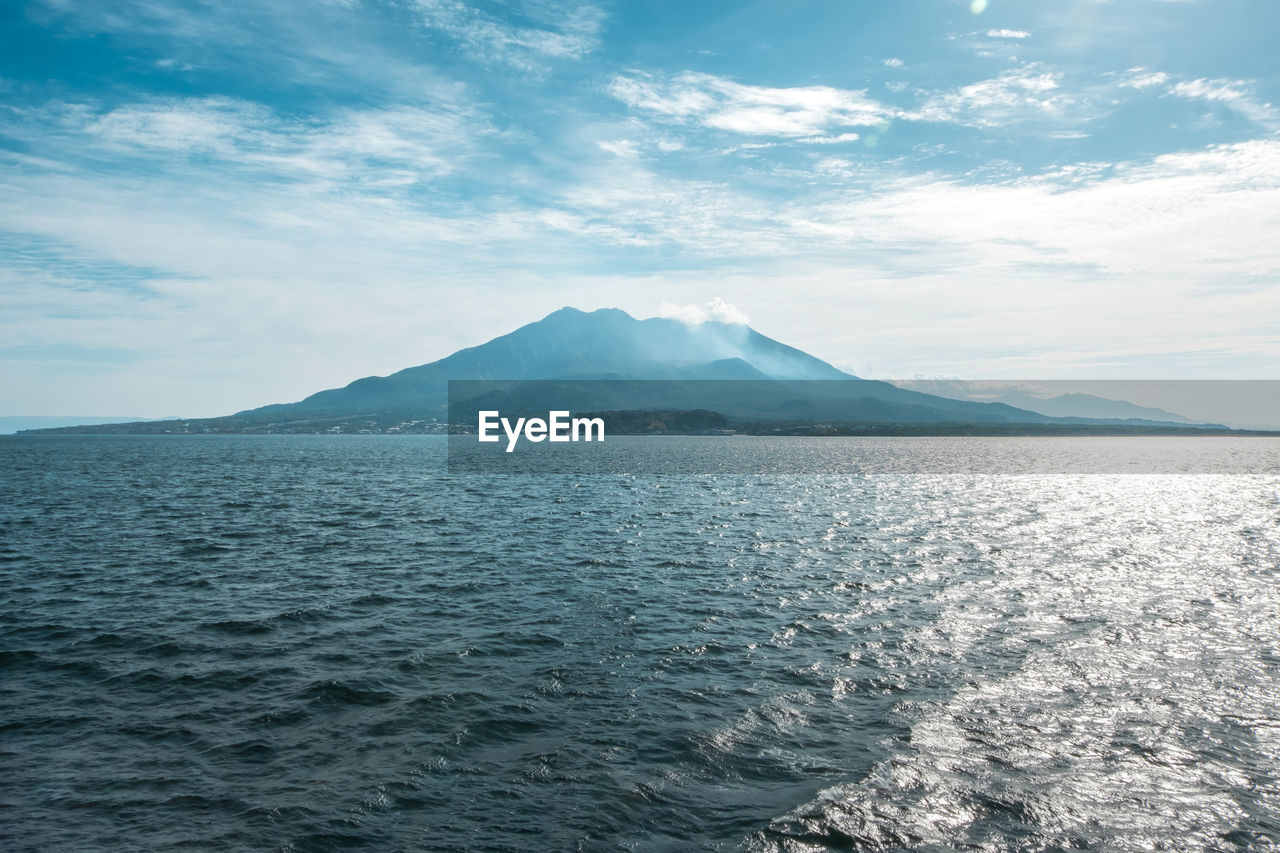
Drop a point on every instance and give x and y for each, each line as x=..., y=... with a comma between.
x=607, y=360
x=572, y=344
x=1068, y=405
x=1089, y=406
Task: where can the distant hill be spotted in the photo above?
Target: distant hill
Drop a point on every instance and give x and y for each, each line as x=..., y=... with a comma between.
x=10, y=424
x=607, y=359
x=1067, y=405
x=1089, y=406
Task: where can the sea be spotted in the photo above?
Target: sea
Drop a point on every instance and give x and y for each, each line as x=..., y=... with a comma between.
x=313, y=643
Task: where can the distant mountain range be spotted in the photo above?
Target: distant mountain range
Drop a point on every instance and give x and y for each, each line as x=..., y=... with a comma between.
x=608, y=360
x=1069, y=405
x=1088, y=406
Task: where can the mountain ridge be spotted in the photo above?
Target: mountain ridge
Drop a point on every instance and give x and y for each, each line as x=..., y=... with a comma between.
x=607, y=343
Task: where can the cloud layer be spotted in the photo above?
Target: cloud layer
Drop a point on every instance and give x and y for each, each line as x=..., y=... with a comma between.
x=357, y=187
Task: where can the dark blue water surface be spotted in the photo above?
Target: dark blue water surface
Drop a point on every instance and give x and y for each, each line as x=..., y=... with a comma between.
x=323, y=643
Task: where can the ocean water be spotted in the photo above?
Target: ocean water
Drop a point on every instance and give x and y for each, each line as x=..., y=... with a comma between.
x=331, y=643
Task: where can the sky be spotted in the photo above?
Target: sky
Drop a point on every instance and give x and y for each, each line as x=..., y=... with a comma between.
x=211, y=206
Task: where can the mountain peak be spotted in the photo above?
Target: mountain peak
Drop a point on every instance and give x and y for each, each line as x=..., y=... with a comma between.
x=571, y=311
x=571, y=343
x=607, y=343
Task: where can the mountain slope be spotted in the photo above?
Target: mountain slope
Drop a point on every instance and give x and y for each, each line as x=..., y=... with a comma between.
x=572, y=344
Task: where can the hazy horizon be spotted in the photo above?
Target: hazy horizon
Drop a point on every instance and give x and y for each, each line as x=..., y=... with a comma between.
x=1239, y=404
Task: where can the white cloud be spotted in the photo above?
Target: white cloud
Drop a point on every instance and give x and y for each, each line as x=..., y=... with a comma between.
x=1122, y=220
x=822, y=114
x=355, y=168
x=623, y=202
x=717, y=310
x=1140, y=78
x=405, y=143
x=170, y=63
x=830, y=140
x=838, y=167
x=716, y=102
x=1233, y=94
x=894, y=62
x=1212, y=90
x=1236, y=95
x=199, y=126
x=618, y=147
x=552, y=32
x=1029, y=91
x=1008, y=34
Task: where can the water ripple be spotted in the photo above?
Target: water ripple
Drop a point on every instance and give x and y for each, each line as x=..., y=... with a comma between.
x=312, y=643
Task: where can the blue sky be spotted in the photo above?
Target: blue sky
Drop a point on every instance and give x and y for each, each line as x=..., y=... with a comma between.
x=210, y=206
